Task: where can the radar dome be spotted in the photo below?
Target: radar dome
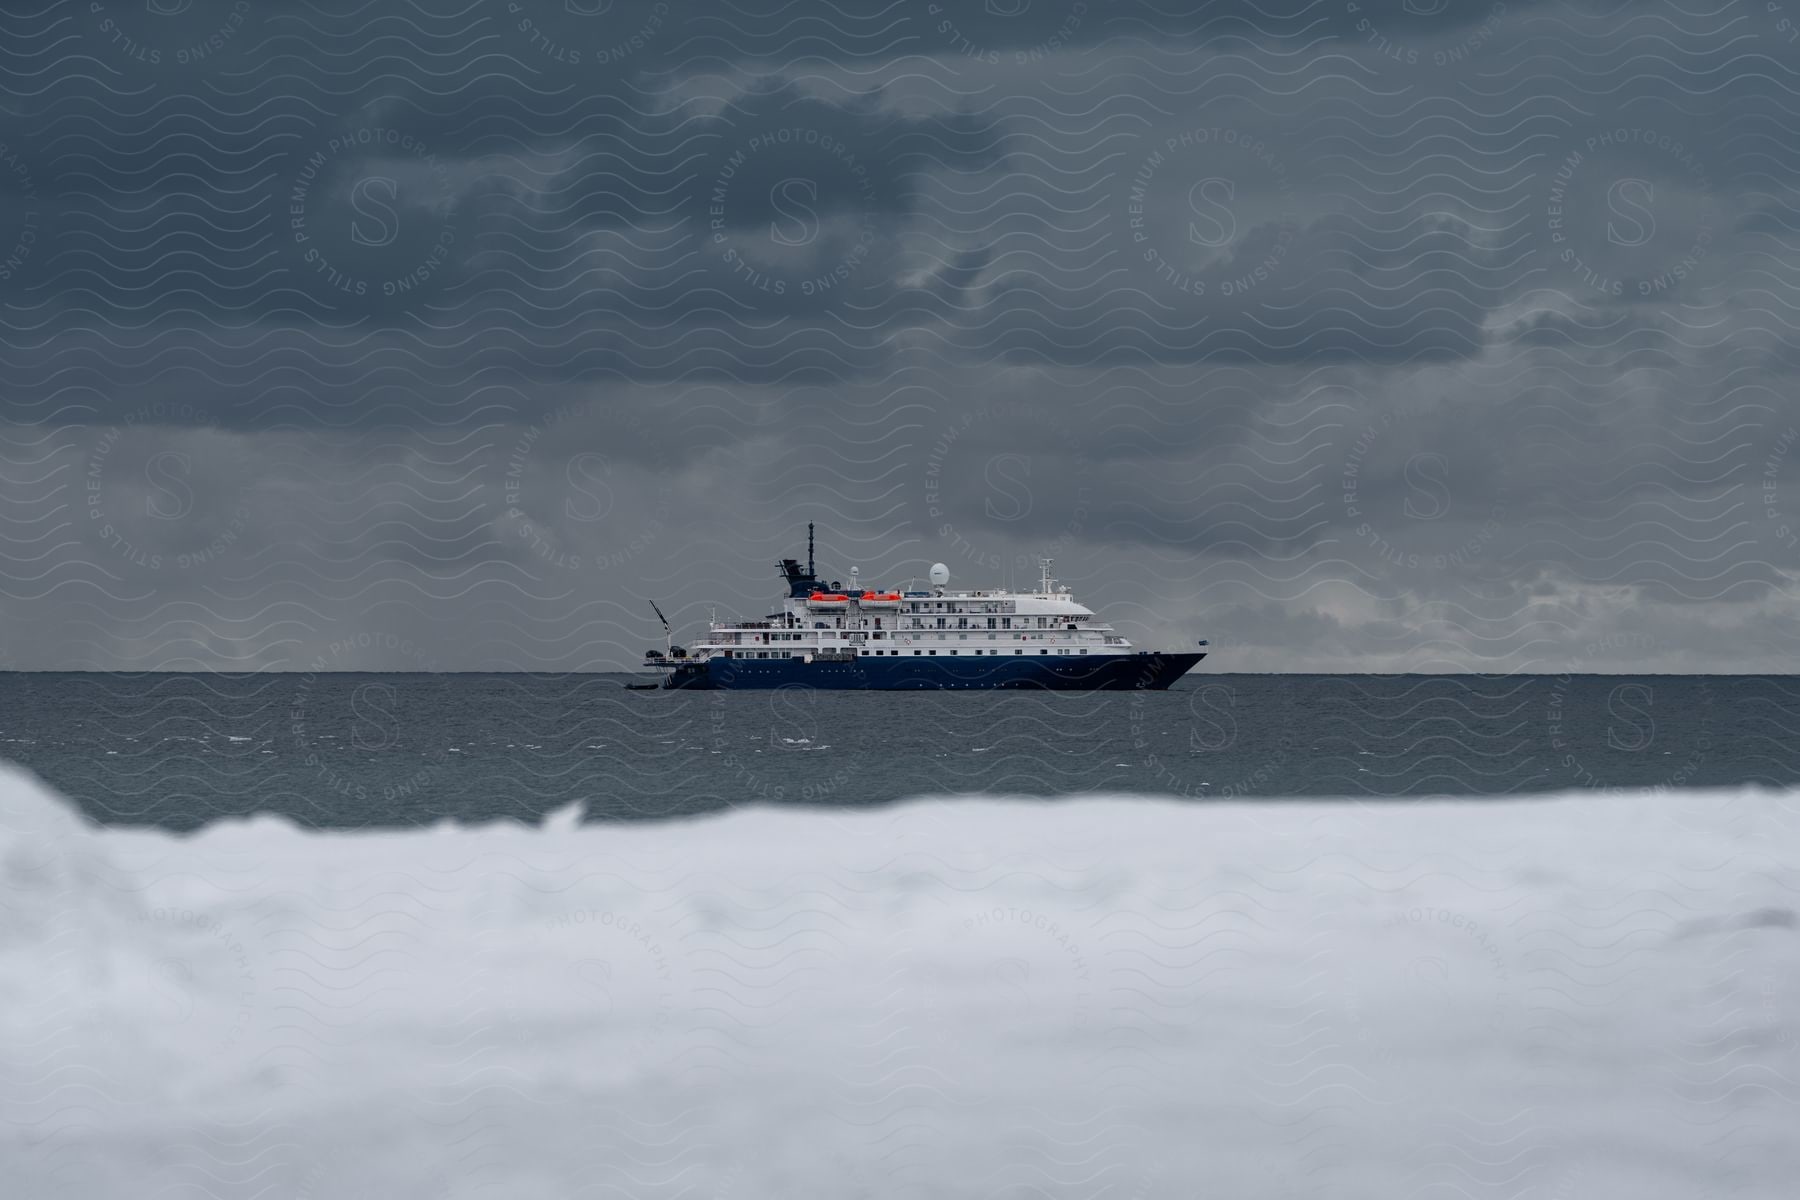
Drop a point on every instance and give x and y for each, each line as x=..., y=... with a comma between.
x=940, y=574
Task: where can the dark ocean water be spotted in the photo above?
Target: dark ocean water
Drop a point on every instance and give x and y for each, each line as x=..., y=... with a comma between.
x=359, y=749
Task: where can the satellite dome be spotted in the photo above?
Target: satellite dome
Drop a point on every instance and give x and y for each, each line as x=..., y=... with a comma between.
x=940, y=574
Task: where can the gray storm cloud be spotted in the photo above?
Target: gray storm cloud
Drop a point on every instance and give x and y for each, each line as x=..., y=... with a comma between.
x=1378, y=336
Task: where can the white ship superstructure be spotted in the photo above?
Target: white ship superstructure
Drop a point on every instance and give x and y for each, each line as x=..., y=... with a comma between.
x=920, y=624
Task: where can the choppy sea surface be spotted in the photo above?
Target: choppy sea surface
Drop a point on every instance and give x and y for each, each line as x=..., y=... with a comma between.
x=350, y=750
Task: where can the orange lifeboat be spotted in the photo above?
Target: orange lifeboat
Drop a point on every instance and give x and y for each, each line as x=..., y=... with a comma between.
x=828, y=602
x=880, y=600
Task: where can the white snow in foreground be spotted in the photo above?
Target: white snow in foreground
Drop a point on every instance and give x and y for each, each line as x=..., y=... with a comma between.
x=1583, y=997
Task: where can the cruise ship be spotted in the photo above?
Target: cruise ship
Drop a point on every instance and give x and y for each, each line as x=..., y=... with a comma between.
x=827, y=635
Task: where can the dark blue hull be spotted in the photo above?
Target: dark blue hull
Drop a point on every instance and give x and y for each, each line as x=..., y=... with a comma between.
x=1061, y=673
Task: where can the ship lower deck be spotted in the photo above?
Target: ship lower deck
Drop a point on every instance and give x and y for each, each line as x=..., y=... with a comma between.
x=1106, y=672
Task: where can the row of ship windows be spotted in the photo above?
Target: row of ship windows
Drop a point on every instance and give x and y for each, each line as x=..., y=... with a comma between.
x=961, y=637
x=996, y=623
x=1050, y=622
x=916, y=653
x=937, y=606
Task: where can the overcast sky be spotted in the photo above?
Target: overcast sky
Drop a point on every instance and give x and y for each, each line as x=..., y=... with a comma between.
x=1402, y=334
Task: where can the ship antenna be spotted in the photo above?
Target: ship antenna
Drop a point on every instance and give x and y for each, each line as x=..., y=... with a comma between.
x=809, y=551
